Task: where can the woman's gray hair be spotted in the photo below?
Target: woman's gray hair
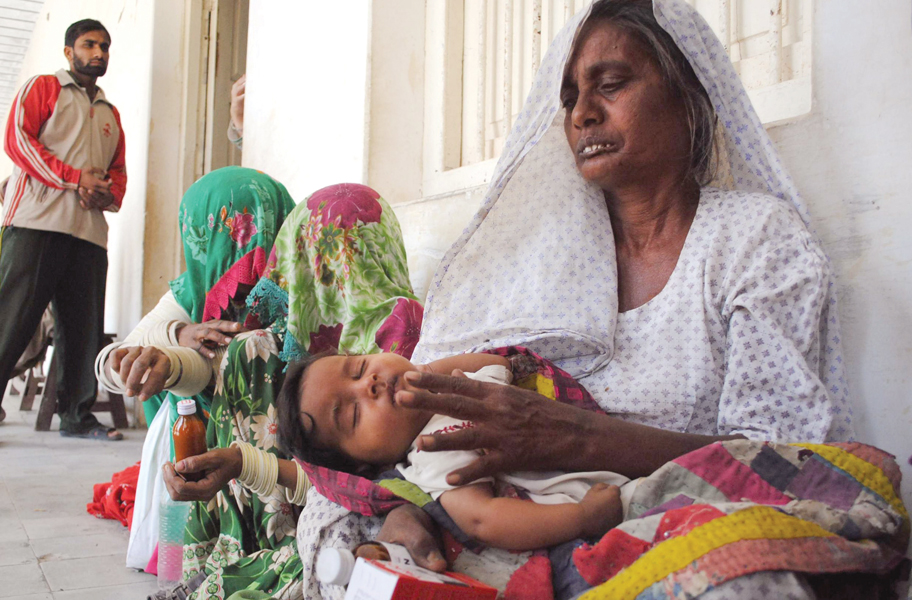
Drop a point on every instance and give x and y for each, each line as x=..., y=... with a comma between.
x=637, y=18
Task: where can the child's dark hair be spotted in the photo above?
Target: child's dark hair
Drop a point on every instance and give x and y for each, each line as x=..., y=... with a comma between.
x=291, y=434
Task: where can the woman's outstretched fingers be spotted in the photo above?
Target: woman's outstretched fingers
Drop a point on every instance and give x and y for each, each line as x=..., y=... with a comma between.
x=453, y=405
x=446, y=384
x=471, y=438
x=509, y=425
x=457, y=397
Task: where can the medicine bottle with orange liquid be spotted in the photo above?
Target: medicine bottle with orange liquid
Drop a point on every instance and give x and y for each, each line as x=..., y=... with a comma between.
x=189, y=435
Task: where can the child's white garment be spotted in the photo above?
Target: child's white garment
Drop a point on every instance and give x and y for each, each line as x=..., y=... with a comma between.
x=428, y=470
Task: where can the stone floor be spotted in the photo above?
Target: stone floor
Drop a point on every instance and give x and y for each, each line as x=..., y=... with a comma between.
x=50, y=547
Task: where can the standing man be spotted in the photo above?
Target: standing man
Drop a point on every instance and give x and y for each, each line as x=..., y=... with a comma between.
x=67, y=144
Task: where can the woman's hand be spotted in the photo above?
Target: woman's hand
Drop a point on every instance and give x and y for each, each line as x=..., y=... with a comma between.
x=520, y=430
x=413, y=528
x=236, y=111
x=203, y=337
x=517, y=429
x=143, y=370
x=219, y=466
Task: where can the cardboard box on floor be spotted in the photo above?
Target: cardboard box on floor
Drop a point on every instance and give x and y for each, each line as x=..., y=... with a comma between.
x=376, y=580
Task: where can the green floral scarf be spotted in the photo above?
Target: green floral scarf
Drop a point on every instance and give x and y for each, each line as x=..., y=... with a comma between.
x=228, y=222
x=338, y=278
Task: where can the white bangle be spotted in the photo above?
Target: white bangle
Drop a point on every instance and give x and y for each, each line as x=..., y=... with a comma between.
x=175, y=369
x=259, y=469
x=173, y=326
x=301, y=488
x=159, y=334
x=110, y=384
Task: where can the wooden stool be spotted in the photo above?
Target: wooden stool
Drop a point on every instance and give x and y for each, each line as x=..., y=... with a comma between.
x=34, y=382
x=106, y=401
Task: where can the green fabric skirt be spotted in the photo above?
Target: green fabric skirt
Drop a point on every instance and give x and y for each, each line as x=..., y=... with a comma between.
x=241, y=540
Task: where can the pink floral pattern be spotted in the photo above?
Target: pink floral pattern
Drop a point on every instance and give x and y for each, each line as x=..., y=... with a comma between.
x=242, y=228
x=325, y=338
x=345, y=205
x=399, y=333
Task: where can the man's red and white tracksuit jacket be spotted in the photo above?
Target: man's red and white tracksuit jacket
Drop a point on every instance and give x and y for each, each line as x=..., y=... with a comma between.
x=55, y=132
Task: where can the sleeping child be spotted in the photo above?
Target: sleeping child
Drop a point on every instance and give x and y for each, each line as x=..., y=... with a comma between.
x=341, y=412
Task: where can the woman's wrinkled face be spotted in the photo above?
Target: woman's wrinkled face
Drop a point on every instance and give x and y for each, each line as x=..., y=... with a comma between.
x=348, y=404
x=622, y=124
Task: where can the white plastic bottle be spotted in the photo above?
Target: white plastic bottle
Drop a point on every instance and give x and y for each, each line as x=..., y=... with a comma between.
x=335, y=565
x=173, y=520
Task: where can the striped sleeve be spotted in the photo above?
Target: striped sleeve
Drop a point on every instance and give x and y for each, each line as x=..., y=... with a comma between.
x=118, y=169
x=32, y=108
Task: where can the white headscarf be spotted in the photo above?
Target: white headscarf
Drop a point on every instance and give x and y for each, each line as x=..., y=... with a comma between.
x=531, y=269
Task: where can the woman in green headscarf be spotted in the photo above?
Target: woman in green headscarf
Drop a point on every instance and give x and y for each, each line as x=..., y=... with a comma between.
x=337, y=278
x=228, y=222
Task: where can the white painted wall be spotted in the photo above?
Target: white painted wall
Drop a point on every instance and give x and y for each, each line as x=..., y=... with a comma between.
x=170, y=171
x=127, y=85
x=852, y=160
x=305, y=110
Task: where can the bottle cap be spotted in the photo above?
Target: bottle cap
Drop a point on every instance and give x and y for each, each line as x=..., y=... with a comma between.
x=186, y=407
x=335, y=566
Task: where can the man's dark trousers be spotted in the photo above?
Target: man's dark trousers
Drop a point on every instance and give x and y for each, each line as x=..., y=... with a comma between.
x=41, y=267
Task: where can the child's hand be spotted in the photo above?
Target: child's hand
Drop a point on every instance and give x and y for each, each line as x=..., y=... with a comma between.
x=601, y=509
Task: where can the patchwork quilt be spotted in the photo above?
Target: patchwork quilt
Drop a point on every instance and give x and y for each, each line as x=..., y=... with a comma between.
x=724, y=511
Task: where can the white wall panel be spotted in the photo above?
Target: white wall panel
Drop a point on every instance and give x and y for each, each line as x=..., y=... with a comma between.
x=306, y=108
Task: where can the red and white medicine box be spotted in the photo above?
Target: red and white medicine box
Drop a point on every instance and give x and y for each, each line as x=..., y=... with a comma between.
x=382, y=580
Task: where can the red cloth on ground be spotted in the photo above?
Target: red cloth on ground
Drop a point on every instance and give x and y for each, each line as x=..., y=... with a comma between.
x=115, y=500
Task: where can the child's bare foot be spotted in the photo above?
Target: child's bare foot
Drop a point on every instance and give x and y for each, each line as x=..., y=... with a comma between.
x=601, y=509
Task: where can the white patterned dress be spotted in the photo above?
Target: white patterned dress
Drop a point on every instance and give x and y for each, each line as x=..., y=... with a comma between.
x=733, y=343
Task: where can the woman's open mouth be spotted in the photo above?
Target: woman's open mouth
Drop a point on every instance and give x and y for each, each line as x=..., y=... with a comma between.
x=592, y=146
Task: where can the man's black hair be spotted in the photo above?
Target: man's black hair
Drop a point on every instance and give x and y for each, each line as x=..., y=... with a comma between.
x=79, y=28
x=291, y=435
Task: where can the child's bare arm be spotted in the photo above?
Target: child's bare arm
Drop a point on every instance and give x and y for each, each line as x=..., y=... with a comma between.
x=465, y=362
x=514, y=524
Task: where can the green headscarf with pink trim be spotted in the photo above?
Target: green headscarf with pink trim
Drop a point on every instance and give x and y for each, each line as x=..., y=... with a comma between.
x=228, y=220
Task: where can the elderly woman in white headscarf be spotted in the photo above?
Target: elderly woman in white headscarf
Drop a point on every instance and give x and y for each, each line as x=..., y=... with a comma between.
x=640, y=232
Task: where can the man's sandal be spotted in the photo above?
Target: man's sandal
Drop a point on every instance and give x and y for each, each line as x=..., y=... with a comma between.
x=99, y=432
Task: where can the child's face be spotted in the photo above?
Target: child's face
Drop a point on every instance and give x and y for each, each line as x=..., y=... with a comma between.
x=348, y=404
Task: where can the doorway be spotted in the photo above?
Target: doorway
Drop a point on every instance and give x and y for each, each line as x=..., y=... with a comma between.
x=227, y=61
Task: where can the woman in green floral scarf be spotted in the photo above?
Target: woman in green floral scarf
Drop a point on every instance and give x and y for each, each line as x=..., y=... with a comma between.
x=337, y=278
x=228, y=222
